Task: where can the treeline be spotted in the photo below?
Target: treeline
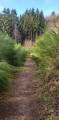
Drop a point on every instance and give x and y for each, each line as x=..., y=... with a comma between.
x=32, y=23
x=28, y=25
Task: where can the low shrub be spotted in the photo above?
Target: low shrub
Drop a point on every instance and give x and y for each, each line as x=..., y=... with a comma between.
x=12, y=56
x=4, y=80
x=10, y=51
x=45, y=53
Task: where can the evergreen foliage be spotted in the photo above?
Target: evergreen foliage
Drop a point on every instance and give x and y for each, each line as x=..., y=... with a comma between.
x=32, y=23
x=29, y=25
x=46, y=55
x=46, y=48
x=12, y=56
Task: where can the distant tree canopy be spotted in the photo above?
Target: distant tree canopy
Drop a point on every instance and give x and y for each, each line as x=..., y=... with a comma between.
x=53, y=13
x=53, y=21
x=29, y=25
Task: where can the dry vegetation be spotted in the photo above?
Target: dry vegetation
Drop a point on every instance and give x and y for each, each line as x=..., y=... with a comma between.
x=53, y=22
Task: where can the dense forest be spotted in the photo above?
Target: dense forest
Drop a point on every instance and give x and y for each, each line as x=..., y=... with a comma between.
x=26, y=26
x=44, y=53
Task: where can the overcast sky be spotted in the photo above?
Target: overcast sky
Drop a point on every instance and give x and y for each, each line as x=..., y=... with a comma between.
x=21, y=5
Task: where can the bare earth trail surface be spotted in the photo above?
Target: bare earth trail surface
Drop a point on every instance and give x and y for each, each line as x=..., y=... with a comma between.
x=20, y=105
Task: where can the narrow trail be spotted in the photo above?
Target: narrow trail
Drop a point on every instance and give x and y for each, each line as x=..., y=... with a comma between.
x=21, y=105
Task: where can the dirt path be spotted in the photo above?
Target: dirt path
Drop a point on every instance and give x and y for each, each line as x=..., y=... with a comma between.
x=20, y=105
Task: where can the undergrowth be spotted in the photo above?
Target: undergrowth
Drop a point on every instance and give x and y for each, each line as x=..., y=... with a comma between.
x=45, y=53
x=12, y=57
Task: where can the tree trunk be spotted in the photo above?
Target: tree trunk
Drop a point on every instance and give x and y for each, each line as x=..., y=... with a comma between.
x=31, y=36
x=40, y=32
x=36, y=34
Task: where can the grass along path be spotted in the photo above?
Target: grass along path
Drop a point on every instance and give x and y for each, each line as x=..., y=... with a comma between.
x=20, y=105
